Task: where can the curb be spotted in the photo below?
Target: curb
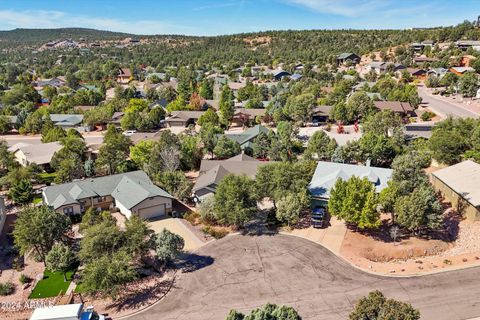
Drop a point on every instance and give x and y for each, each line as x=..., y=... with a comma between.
x=414, y=275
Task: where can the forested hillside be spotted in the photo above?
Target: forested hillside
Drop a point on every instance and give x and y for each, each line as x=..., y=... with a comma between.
x=43, y=35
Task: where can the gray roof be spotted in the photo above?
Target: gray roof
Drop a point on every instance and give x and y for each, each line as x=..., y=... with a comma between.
x=213, y=171
x=66, y=119
x=463, y=178
x=327, y=174
x=185, y=115
x=129, y=189
x=41, y=153
x=248, y=135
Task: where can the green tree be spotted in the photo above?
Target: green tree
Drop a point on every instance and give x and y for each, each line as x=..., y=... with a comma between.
x=37, y=229
x=191, y=152
x=355, y=202
x=267, y=312
x=22, y=193
x=469, y=84
x=447, y=146
x=168, y=246
x=359, y=105
x=235, y=202
x=226, y=105
x=209, y=137
x=175, y=183
x=5, y=125
x=141, y=152
x=385, y=123
x=107, y=275
x=210, y=116
x=380, y=150
x=60, y=259
x=376, y=307
x=419, y=210
x=206, y=89
x=92, y=217
x=320, y=146
x=299, y=108
x=291, y=206
x=226, y=148
x=114, y=151
x=261, y=145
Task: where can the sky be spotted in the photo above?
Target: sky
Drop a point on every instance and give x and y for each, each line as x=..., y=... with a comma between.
x=216, y=17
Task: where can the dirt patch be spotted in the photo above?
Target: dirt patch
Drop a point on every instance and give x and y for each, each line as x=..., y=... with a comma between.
x=364, y=246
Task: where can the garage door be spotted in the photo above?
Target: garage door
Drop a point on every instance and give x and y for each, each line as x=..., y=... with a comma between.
x=152, y=212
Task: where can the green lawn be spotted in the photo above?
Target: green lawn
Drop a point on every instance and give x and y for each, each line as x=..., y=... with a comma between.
x=51, y=285
x=37, y=200
x=46, y=177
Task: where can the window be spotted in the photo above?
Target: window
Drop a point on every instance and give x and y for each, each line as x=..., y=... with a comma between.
x=101, y=199
x=68, y=210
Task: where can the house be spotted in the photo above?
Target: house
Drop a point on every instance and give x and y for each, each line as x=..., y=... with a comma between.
x=343, y=58
x=296, y=76
x=243, y=115
x=418, y=130
x=183, y=118
x=66, y=121
x=124, y=75
x=213, y=171
x=418, y=74
x=438, y=72
x=422, y=59
x=465, y=44
x=383, y=67
x=54, y=82
x=459, y=71
x=40, y=154
x=3, y=214
x=245, y=139
x=402, y=108
x=280, y=74
x=116, y=118
x=321, y=114
x=467, y=60
x=132, y=193
x=459, y=185
x=419, y=46
x=327, y=173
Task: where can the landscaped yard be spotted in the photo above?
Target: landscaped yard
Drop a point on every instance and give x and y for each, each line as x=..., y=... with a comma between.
x=51, y=285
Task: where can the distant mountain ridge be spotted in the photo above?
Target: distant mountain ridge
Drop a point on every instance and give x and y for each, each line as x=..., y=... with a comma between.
x=43, y=35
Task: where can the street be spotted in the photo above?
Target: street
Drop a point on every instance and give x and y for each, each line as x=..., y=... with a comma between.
x=246, y=272
x=90, y=139
x=444, y=108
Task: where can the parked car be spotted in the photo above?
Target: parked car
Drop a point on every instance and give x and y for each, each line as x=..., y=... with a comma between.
x=319, y=215
x=129, y=133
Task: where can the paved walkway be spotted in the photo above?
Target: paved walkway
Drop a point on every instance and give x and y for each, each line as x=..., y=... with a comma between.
x=192, y=242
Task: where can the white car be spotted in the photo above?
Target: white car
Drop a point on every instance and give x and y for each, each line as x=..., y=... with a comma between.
x=129, y=133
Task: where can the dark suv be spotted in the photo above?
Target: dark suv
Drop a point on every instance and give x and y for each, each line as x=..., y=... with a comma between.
x=319, y=216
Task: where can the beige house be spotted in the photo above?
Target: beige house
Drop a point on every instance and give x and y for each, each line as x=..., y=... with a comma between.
x=41, y=153
x=132, y=193
x=459, y=184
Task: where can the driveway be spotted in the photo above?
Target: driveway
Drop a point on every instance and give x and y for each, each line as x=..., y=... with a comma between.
x=245, y=272
x=175, y=225
x=444, y=108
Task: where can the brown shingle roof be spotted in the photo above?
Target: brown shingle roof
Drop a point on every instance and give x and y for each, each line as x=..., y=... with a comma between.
x=395, y=106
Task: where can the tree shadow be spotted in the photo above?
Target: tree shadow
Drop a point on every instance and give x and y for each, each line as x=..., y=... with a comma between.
x=190, y=262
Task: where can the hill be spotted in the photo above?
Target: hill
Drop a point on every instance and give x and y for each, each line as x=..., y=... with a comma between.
x=44, y=35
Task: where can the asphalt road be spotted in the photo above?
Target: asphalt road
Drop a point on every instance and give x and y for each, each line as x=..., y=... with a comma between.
x=245, y=272
x=444, y=108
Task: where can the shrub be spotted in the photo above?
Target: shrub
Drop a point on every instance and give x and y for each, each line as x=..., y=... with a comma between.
x=24, y=279
x=217, y=233
x=207, y=210
x=6, y=288
x=427, y=116
x=192, y=217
